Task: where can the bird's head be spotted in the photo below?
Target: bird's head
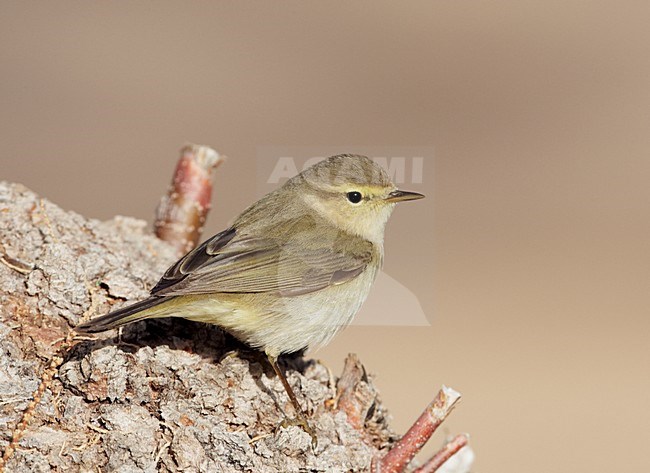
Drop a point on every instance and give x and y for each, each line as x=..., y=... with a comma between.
x=353, y=192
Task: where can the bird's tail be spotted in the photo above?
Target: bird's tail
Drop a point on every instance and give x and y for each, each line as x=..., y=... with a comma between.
x=138, y=311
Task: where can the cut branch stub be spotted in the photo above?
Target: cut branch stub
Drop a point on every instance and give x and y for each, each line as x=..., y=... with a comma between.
x=181, y=213
x=354, y=395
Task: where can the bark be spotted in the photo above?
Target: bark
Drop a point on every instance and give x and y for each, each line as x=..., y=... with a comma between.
x=166, y=395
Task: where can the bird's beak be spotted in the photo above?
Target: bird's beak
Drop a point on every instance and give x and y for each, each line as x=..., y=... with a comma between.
x=400, y=196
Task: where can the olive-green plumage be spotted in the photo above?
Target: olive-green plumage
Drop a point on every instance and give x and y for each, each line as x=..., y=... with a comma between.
x=291, y=270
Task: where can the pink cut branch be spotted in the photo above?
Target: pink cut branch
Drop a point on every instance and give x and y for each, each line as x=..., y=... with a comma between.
x=444, y=454
x=397, y=459
x=182, y=212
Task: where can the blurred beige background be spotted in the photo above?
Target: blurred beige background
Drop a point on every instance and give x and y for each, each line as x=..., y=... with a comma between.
x=531, y=256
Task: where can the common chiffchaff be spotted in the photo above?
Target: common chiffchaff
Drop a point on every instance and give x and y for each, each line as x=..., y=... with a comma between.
x=292, y=269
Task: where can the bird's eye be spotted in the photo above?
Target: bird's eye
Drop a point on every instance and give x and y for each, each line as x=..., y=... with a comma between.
x=354, y=197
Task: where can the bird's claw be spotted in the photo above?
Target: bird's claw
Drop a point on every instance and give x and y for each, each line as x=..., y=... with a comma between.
x=304, y=425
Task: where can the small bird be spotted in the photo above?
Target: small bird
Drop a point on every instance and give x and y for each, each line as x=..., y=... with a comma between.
x=292, y=269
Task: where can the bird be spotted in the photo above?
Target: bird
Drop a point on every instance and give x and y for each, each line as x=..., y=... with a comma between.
x=291, y=270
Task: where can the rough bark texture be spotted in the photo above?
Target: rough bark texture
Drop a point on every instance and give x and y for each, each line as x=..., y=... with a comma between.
x=165, y=395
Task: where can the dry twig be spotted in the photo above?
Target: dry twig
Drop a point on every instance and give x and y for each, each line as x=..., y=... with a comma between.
x=398, y=458
x=444, y=454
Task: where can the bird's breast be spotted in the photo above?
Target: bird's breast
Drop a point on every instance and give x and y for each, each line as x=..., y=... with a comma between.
x=314, y=318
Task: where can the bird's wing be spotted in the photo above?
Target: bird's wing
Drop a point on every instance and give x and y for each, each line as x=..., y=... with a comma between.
x=295, y=264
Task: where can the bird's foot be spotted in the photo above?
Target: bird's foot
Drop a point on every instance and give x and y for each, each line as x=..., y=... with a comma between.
x=304, y=425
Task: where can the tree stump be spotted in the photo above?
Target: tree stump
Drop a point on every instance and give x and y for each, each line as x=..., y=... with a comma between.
x=165, y=395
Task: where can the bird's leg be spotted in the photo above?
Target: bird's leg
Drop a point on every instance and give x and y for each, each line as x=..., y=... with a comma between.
x=300, y=419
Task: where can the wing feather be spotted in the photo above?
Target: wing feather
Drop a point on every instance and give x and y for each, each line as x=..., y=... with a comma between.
x=288, y=265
